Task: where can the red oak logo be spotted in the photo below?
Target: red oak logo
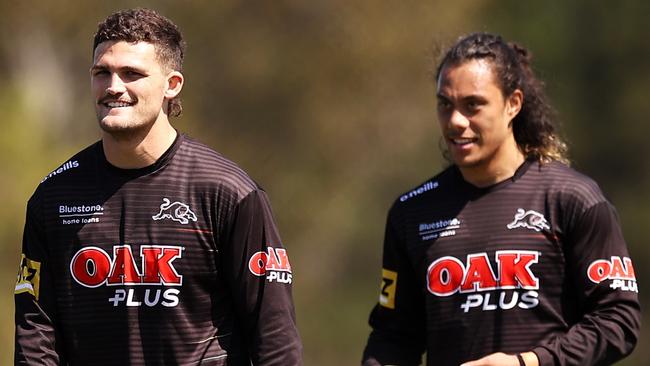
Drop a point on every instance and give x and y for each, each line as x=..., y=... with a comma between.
x=93, y=267
x=614, y=269
x=274, y=261
x=448, y=275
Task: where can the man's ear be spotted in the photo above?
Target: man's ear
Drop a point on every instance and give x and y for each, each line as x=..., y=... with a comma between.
x=174, y=84
x=514, y=102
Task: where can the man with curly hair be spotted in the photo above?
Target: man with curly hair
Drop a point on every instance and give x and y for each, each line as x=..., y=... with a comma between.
x=148, y=247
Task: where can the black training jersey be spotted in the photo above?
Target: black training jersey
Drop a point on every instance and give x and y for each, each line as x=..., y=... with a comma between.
x=536, y=262
x=178, y=263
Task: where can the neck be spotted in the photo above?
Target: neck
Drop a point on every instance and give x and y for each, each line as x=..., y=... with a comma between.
x=498, y=168
x=138, y=149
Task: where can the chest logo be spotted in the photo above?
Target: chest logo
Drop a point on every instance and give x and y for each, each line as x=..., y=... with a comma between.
x=530, y=220
x=154, y=282
x=438, y=229
x=478, y=279
x=80, y=214
x=176, y=211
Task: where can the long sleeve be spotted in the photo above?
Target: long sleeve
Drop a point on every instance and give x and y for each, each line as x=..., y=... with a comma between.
x=602, y=276
x=397, y=321
x=260, y=277
x=37, y=340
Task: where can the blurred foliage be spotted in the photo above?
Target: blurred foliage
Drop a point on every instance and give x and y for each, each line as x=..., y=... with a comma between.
x=329, y=105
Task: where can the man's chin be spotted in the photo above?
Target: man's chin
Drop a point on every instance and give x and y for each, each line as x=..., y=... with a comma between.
x=467, y=162
x=114, y=128
x=111, y=123
x=123, y=130
x=463, y=160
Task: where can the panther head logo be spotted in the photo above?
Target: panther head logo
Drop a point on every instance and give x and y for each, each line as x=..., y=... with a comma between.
x=177, y=211
x=530, y=220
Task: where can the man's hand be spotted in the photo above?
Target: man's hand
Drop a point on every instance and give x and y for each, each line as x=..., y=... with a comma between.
x=502, y=359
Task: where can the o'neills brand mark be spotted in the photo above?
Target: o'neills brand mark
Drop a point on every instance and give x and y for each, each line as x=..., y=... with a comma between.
x=66, y=166
x=423, y=188
x=447, y=276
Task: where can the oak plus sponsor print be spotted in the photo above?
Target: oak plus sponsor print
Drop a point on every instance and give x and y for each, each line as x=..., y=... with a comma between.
x=478, y=279
x=619, y=271
x=92, y=267
x=274, y=264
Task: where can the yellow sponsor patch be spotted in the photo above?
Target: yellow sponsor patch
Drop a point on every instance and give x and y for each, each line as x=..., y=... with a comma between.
x=388, y=288
x=29, y=277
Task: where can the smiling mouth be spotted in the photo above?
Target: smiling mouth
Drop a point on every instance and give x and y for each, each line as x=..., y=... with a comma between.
x=117, y=104
x=458, y=141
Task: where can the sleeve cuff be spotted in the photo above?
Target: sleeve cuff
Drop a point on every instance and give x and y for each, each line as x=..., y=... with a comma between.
x=544, y=356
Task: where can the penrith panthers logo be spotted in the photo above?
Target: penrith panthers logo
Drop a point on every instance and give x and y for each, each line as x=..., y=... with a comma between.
x=530, y=220
x=176, y=211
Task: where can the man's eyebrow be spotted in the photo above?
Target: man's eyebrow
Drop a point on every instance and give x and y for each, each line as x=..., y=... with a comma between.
x=123, y=68
x=474, y=97
x=464, y=97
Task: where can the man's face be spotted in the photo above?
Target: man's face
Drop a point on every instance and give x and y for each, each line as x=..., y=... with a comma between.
x=130, y=86
x=475, y=117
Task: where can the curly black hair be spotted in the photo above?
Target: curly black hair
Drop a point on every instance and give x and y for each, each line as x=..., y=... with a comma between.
x=534, y=128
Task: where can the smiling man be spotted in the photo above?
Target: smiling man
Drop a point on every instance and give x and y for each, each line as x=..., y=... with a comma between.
x=148, y=247
x=508, y=257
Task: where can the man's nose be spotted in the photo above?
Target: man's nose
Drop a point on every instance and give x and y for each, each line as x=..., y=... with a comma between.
x=458, y=120
x=116, y=85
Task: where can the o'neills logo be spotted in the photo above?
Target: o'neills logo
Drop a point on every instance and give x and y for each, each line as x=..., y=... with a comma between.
x=66, y=166
x=448, y=275
x=418, y=191
x=617, y=269
x=274, y=263
x=93, y=267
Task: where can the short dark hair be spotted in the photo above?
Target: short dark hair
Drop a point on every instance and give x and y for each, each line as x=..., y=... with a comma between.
x=146, y=25
x=534, y=128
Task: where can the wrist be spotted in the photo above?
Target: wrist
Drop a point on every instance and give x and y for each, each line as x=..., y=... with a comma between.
x=528, y=359
x=520, y=359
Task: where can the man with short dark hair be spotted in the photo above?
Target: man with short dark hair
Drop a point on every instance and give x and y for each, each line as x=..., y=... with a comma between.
x=148, y=247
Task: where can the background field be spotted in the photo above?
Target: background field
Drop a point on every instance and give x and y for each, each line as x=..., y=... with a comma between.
x=329, y=105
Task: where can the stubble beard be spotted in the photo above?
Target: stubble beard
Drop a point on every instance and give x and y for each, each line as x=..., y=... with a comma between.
x=126, y=131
